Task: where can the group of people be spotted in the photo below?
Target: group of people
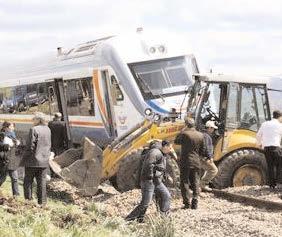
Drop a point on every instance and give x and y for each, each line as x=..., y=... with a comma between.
x=43, y=138
x=196, y=154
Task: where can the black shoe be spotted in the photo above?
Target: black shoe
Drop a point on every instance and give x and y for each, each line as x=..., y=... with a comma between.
x=186, y=206
x=140, y=220
x=272, y=186
x=194, y=204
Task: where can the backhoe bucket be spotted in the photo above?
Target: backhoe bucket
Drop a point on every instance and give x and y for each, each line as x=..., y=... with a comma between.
x=81, y=167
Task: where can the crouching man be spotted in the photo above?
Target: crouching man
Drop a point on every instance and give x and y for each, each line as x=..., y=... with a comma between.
x=152, y=172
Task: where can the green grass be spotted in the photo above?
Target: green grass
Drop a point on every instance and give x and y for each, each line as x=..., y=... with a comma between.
x=24, y=219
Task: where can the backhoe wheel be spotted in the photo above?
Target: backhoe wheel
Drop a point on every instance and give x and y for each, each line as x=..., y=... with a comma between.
x=128, y=173
x=172, y=174
x=127, y=177
x=240, y=168
x=172, y=180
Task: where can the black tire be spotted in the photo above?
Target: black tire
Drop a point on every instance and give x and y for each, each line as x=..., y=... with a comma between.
x=172, y=174
x=128, y=174
x=21, y=107
x=237, y=159
x=127, y=177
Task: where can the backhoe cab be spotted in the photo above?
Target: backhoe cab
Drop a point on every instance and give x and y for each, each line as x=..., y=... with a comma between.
x=239, y=106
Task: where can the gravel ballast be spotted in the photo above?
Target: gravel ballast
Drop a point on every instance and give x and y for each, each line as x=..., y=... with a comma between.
x=215, y=217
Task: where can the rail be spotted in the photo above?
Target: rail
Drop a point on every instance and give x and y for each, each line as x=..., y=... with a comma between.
x=246, y=200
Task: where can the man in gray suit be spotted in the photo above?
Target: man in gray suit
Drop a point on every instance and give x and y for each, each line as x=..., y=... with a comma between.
x=36, y=158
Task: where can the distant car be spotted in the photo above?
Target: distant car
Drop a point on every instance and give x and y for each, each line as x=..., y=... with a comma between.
x=8, y=105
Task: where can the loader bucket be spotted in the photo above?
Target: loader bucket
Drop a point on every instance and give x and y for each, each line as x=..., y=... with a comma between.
x=81, y=167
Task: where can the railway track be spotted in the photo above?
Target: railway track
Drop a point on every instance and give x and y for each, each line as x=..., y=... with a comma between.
x=248, y=200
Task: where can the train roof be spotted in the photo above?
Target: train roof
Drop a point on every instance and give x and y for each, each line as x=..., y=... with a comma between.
x=80, y=60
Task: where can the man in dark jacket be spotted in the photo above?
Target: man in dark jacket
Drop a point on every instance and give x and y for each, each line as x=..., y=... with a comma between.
x=58, y=134
x=36, y=158
x=152, y=171
x=192, y=147
x=11, y=140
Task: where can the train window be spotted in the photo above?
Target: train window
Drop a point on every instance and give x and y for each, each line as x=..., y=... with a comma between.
x=116, y=92
x=79, y=96
x=42, y=99
x=8, y=104
x=52, y=97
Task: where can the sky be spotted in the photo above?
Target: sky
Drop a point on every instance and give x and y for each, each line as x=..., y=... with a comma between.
x=227, y=36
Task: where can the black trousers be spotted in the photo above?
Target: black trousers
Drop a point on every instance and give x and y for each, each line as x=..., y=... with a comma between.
x=14, y=180
x=274, y=163
x=40, y=175
x=189, y=177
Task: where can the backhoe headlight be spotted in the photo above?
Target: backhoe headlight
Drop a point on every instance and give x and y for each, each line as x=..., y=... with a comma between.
x=148, y=112
x=157, y=117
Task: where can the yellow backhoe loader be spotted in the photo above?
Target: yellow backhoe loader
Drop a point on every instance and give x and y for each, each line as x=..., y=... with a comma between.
x=238, y=105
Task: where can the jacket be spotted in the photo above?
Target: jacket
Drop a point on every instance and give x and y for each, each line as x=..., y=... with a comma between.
x=192, y=147
x=38, y=147
x=58, y=136
x=154, y=165
x=208, y=146
x=13, y=160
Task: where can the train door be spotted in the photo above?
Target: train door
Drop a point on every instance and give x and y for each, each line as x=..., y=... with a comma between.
x=123, y=114
x=126, y=114
x=57, y=100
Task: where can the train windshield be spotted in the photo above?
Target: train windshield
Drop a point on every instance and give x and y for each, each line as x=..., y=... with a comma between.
x=164, y=77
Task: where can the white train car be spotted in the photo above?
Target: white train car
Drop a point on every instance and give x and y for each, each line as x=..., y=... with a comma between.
x=102, y=87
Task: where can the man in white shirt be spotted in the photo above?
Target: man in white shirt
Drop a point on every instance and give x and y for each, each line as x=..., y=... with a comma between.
x=269, y=138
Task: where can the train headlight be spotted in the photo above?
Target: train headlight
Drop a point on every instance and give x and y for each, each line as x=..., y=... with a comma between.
x=152, y=50
x=157, y=117
x=161, y=49
x=148, y=112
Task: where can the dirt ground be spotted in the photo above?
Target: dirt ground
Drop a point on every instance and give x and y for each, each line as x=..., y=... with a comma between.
x=215, y=217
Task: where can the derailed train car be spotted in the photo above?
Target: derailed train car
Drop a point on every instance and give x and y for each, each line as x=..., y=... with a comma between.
x=101, y=87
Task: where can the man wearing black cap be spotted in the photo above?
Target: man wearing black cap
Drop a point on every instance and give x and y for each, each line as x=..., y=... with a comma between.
x=192, y=147
x=152, y=171
x=269, y=138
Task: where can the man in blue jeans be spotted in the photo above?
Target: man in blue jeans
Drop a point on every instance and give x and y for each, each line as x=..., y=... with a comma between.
x=152, y=172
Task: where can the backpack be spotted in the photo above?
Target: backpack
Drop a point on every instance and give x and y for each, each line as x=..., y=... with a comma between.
x=143, y=156
x=4, y=148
